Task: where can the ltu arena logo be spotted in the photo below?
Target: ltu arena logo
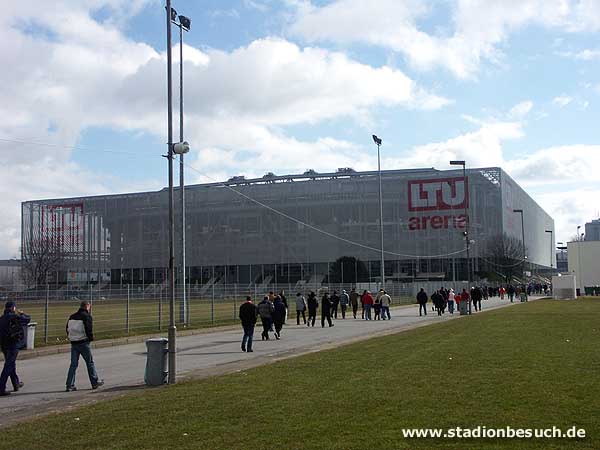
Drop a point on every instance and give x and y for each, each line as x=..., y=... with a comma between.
x=438, y=195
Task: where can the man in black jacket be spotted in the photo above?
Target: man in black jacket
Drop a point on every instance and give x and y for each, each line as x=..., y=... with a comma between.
x=80, y=333
x=248, y=315
x=422, y=301
x=11, y=332
x=326, y=310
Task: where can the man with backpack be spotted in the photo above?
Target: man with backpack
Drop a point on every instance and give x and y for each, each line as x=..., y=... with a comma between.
x=11, y=334
x=80, y=333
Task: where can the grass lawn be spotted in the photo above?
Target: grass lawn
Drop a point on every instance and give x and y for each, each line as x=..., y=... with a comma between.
x=532, y=365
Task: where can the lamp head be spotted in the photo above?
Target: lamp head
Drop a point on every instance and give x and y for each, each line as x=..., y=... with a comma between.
x=185, y=22
x=377, y=140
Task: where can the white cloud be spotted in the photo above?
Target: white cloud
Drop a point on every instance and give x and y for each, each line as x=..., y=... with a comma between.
x=562, y=100
x=521, y=110
x=564, y=164
x=569, y=209
x=588, y=55
x=478, y=27
x=75, y=72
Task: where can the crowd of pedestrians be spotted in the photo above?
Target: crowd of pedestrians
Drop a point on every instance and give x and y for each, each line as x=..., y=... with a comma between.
x=443, y=298
x=273, y=311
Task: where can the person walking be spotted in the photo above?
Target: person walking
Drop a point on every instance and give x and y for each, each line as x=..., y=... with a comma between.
x=510, y=290
x=11, y=336
x=300, y=308
x=313, y=305
x=451, y=301
x=279, y=313
x=368, y=304
x=465, y=297
x=335, y=302
x=362, y=304
x=386, y=302
x=80, y=332
x=284, y=300
x=248, y=316
x=265, y=311
x=354, y=301
x=377, y=309
x=437, y=300
x=422, y=301
x=344, y=300
x=476, y=295
x=326, y=310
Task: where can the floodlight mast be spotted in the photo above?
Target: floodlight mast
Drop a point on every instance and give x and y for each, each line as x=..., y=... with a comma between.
x=378, y=142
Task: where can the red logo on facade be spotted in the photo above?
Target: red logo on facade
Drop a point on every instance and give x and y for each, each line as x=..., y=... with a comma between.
x=438, y=194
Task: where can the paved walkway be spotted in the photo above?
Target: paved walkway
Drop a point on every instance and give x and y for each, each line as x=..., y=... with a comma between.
x=198, y=356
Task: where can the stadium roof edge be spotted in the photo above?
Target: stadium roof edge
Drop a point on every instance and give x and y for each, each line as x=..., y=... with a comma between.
x=270, y=178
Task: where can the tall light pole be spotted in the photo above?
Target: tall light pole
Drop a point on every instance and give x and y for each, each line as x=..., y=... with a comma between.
x=551, y=247
x=520, y=211
x=184, y=23
x=467, y=233
x=578, y=244
x=172, y=328
x=378, y=143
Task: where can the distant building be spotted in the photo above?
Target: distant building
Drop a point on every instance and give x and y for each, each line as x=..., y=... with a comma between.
x=584, y=260
x=10, y=273
x=592, y=230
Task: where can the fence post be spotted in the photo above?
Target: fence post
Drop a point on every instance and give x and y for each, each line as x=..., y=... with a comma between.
x=127, y=312
x=212, y=303
x=234, y=299
x=160, y=310
x=46, y=305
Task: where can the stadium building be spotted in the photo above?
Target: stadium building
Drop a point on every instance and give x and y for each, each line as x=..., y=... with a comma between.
x=291, y=229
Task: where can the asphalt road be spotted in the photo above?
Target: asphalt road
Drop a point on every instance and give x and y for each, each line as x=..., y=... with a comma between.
x=122, y=367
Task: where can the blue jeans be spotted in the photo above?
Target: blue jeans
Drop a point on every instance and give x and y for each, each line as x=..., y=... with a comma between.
x=385, y=311
x=451, y=306
x=10, y=367
x=83, y=349
x=248, y=335
x=367, y=312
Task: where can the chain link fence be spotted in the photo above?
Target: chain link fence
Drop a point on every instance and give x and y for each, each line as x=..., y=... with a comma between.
x=144, y=309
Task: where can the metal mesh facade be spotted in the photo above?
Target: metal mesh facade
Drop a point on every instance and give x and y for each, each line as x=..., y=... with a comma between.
x=117, y=237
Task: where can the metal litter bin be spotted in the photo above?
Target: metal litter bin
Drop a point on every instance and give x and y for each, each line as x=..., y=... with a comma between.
x=156, y=362
x=29, y=333
x=463, y=308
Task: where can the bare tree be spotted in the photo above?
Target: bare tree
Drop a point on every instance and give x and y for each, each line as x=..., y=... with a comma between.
x=505, y=256
x=40, y=258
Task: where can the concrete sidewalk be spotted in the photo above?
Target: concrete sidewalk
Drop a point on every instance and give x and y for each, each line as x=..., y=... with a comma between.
x=200, y=355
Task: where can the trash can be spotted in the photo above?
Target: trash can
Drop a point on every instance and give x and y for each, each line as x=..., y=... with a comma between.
x=463, y=308
x=29, y=333
x=156, y=362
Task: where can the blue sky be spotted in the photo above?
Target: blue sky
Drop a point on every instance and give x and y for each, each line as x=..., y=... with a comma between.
x=288, y=85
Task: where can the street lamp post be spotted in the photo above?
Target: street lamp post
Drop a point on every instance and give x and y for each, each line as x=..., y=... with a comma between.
x=578, y=244
x=172, y=328
x=520, y=211
x=467, y=231
x=184, y=24
x=551, y=247
x=378, y=143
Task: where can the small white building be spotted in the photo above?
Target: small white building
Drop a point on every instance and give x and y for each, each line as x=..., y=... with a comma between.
x=584, y=260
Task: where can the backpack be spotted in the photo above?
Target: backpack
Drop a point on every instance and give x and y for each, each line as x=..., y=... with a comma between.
x=15, y=330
